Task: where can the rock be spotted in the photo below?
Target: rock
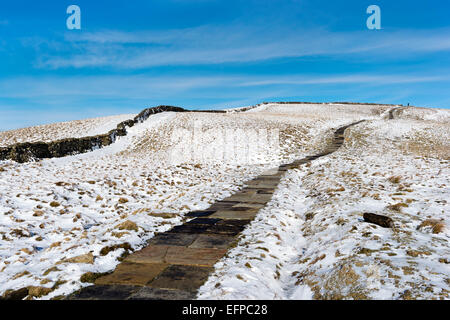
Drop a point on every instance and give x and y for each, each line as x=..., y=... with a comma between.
x=19, y=294
x=380, y=220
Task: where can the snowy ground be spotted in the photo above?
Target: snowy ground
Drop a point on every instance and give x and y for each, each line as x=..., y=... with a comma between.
x=62, y=130
x=57, y=215
x=317, y=245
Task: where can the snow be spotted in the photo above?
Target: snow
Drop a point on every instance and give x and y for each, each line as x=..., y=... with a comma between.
x=174, y=163
x=63, y=130
x=316, y=237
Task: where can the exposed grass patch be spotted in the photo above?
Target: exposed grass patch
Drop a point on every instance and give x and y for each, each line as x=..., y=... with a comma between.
x=436, y=226
x=397, y=207
x=395, y=179
x=108, y=249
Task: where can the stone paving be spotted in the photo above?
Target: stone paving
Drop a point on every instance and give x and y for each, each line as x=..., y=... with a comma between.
x=176, y=263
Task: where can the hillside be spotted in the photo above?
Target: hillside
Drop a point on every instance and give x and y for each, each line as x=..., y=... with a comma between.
x=61, y=218
x=62, y=130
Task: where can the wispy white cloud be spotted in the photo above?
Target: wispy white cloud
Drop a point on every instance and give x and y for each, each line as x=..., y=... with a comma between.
x=105, y=86
x=347, y=79
x=142, y=86
x=235, y=44
x=59, y=98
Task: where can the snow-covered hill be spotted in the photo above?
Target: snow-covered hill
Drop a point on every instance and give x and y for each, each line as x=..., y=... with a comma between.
x=61, y=218
x=62, y=130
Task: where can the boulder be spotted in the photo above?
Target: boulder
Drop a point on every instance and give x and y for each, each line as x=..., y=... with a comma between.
x=377, y=219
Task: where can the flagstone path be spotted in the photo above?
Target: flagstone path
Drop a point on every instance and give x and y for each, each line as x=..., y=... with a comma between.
x=176, y=263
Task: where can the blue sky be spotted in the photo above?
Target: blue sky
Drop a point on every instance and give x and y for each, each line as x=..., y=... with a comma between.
x=215, y=54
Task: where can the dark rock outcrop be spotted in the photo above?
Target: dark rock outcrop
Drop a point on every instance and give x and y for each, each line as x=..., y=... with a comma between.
x=380, y=220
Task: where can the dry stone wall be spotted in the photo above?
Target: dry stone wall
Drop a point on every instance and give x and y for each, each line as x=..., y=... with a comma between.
x=25, y=152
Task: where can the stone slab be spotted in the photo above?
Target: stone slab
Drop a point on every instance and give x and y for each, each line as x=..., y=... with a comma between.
x=200, y=213
x=185, y=278
x=223, y=205
x=257, y=198
x=232, y=214
x=237, y=208
x=265, y=191
x=234, y=222
x=147, y=293
x=230, y=230
x=104, y=292
x=299, y=162
x=249, y=205
x=268, y=180
x=162, y=254
x=150, y=254
x=273, y=178
x=174, y=239
x=132, y=274
x=261, y=185
x=276, y=176
x=270, y=172
x=204, y=257
x=256, y=189
x=213, y=241
x=189, y=228
x=204, y=221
